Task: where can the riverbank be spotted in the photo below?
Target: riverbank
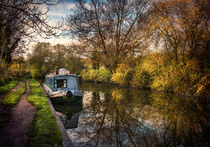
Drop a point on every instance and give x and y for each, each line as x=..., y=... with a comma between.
x=33, y=116
x=154, y=72
x=44, y=131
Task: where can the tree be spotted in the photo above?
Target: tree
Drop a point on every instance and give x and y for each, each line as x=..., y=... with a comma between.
x=19, y=68
x=42, y=60
x=46, y=58
x=108, y=29
x=19, y=19
x=60, y=55
x=66, y=57
x=182, y=27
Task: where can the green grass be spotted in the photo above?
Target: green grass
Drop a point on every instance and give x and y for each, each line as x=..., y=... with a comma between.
x=12, y=98
x=44, y=131
x=9, y=86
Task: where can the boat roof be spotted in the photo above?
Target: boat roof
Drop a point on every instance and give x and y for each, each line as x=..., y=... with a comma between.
x=60, y=75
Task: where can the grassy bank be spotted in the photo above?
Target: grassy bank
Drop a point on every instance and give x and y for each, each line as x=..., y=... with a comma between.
x=8, y=86
x=44, y=131
x=13, y=98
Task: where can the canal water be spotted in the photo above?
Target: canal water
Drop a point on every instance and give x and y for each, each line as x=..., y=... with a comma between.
x=113, y=116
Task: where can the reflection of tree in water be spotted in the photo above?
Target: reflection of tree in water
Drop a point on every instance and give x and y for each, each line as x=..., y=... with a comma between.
x=121, y=118
x=187, y=119
x=112, y=121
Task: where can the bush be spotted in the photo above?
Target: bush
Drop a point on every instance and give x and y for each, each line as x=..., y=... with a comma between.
x=142, y=78
x=4, y=74
x=118, y=78
x=203, y=87
x=103, y=75
x=123, y=75
x=98, y=75
x=144, y=71
x=158, y=72
x=178, y=77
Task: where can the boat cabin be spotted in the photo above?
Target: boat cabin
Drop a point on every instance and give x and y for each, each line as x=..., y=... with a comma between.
x=62, y=84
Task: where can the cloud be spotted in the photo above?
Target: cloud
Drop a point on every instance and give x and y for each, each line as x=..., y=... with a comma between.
x=56, y=14
x=59, y=14
x=71, y=6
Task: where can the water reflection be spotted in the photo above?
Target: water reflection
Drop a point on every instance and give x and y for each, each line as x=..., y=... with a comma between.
x=67, y=111
x=114, y=116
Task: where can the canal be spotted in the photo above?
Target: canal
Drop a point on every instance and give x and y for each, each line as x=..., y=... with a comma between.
x=112, y=116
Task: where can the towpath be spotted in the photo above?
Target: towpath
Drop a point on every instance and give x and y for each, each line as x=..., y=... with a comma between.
x=15, y=132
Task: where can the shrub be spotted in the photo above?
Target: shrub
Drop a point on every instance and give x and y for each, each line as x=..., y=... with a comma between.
x=4, y=74
x=177, y=77
x=103, y=74
x=144, y=71
x=118, y=78
x=98, y=75
x=203, y=87
x=123, y=75
x=142, y=78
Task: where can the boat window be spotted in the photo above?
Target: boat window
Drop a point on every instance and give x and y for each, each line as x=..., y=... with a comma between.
x=55, y=82
x=60, y=83
x=47, y=81
x=64, y=83
x=73, y=83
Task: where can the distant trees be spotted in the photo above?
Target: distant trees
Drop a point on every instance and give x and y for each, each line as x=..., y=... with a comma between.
x=59, y=52
x=41, y=60
x=108, y=29
x=19, y=68
x=19, y=19
x=46, y=58
x=67, y=57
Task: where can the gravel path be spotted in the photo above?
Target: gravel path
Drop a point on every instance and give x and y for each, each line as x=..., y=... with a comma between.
x=15, y=131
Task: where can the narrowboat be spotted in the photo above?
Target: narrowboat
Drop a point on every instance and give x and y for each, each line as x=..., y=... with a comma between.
x=61, y=84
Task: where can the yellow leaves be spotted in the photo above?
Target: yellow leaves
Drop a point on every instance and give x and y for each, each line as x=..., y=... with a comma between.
x=15, y=66
x=120, y=76
x=117, y=95
x=203, y=87
x=33, y=71
x=122, y=68
x=100, y=75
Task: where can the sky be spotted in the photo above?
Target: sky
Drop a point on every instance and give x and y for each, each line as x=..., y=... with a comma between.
x=62, y=9
x=57, y=13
